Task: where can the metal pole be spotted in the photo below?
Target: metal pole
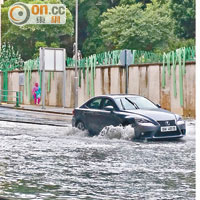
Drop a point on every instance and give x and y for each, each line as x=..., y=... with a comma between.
x=17, y=99
x=21, y=96
x=0, y=97
x=43, y=79
x=76, y=61
x=126, y=65
x=64, y=78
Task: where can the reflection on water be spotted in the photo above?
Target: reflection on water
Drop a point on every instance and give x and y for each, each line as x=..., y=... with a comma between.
x=43, y=162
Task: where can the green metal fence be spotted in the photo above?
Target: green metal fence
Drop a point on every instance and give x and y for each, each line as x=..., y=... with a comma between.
x=15, y=96
x=9, y=61
x=170, y=61
x=139, y=57
x=9, y=58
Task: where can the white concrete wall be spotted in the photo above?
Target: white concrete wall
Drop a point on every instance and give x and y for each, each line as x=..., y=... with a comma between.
x=143, y=80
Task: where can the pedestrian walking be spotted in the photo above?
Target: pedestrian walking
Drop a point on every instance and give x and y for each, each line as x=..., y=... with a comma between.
x=36, y=92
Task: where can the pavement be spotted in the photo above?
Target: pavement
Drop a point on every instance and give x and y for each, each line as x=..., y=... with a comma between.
x=38, y=108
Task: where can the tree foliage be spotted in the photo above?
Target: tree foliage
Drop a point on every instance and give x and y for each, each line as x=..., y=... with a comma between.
x=90, y=40
x=158, y=25
x=129, y=26
x=25, y=37
x=131, y=2
x=183, y=13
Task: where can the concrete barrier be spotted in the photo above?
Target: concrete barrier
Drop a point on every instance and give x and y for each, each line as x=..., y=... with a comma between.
x=144, y=79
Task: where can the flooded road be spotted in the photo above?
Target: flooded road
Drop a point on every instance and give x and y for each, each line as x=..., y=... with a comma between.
x=34, y=117
x=47, y=162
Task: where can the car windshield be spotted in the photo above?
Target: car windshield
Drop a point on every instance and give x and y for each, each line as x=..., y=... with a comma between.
x=136, y=102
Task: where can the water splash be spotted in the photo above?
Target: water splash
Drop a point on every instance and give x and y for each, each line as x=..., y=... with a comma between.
x=118, y=132
x=72, y=131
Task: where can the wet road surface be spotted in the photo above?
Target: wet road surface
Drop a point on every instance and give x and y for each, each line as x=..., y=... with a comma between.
x=48, y=162
x=42, y=118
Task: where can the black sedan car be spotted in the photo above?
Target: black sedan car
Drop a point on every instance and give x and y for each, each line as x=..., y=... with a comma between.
x=149, y=120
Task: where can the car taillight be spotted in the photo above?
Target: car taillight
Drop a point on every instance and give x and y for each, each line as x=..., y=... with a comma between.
x=73, y=112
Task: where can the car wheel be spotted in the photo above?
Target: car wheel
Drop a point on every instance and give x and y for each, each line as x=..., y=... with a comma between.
x=80, y=125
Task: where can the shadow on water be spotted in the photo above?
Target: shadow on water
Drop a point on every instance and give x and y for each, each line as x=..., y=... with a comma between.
x=4, y=198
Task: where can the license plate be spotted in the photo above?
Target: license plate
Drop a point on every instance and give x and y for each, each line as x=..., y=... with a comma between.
x=168, y=128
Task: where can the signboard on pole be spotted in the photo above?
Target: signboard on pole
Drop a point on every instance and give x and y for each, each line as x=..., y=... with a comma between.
x=21, y=79
x=126, y=59
x=52, y=59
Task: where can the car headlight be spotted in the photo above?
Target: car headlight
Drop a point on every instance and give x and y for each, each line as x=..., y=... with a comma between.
x=144, y=122
x=179, y=120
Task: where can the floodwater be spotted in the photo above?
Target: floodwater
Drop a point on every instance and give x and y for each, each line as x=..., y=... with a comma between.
x=60, y=163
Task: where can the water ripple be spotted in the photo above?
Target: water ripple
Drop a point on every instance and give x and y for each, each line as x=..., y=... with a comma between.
x=43, y=162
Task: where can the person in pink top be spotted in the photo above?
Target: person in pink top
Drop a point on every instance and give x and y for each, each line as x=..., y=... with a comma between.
x=36, y=92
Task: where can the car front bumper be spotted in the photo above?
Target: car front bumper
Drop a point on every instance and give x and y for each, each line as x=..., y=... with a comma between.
x=154, y=132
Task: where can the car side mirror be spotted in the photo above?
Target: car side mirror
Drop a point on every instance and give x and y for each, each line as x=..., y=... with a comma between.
x=158, y=105
x=109, y=108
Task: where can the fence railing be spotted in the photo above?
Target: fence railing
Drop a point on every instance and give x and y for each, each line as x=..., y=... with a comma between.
x=16, y=97
x=139, y=57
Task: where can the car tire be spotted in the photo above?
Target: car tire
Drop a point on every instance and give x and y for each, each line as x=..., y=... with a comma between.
x=81, y=126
